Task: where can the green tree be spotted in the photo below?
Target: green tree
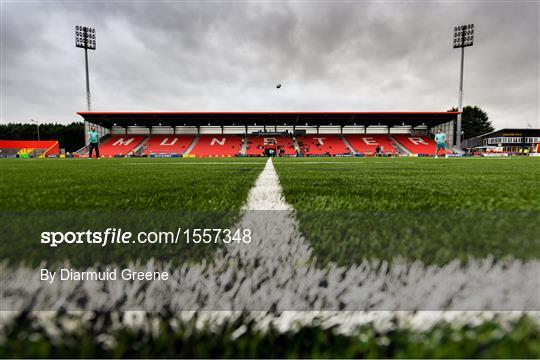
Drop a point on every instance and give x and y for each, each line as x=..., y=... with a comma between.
x=70, y=136
x=474, y=121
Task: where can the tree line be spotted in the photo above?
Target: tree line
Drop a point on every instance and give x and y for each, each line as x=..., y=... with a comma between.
x=70, y=136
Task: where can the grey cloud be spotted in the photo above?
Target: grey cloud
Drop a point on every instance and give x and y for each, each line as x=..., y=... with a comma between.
x=228, y=56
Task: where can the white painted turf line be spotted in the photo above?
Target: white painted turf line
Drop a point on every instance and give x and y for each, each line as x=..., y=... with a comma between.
x=280, y=232
x=276, y=273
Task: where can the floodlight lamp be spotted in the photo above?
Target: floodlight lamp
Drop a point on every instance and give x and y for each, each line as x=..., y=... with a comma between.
x=463, y=36
x=85, y=37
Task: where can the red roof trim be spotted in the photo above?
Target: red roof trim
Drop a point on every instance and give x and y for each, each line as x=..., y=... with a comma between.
x=266, y=112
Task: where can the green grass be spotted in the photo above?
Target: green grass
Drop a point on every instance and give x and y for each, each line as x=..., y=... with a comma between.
x=25, y=339
x=425, y=184
x=434, y=210
x=132, y=194
x=127, y=184
x=350, y=209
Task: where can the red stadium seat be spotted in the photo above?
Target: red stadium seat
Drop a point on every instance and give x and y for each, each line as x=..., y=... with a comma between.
x=367, y=144
x=322, y=144
x=217, y=145
x=168, y=144
x=120, y=145
x=420, y=145
x=256, y=145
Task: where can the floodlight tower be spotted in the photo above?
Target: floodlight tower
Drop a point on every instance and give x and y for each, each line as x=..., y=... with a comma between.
x=463, y=37
x=85, y=38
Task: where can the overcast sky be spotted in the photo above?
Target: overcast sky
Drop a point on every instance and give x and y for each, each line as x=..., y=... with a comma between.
x=218, y=56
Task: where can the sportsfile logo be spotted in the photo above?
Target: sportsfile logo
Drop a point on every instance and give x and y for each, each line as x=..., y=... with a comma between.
x=119, y=236
x=109, y=236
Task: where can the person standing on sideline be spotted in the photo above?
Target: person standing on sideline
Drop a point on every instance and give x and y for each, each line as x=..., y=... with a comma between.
x=440, y=139
x=93, y=139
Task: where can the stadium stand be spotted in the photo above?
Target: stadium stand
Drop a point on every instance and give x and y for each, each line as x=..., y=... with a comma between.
x=420, y=145
x=120, y=145
x=217, y=145
x=324, y=144
x=367, y=144
x=283, y=145
x=29, y=148
x=231, y=145
x=168, y=144
x=226, y=133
